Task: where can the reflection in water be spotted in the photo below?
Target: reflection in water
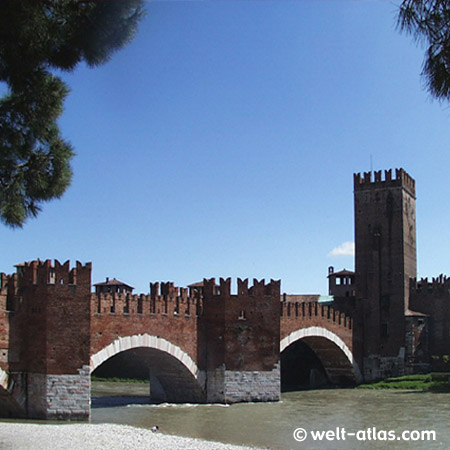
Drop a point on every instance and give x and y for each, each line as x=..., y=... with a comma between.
x=271, y=425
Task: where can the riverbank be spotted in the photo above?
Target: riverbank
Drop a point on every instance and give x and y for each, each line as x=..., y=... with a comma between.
x=28, y=436
x=432, y=382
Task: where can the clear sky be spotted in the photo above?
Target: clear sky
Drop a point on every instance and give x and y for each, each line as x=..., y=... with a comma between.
x=223, y=141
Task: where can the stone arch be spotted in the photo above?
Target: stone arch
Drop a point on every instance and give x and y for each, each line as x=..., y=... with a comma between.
x=12, y=398
x=3, y=379
x=178, y=374
x=316, y=337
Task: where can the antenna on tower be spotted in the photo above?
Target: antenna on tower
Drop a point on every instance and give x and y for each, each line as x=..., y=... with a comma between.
x=371, y=163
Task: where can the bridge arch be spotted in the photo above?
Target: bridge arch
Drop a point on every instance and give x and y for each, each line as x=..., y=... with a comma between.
x=171, y=368
x=3, y=379
x=335, y=356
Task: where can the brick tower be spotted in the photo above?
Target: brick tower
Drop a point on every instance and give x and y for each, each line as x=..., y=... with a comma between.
x=385, y=259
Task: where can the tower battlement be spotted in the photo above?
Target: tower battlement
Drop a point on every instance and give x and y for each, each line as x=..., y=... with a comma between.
x=45, y=273
x=167, y=289
x=259, y=289
x=375, y=179
x=8, y=283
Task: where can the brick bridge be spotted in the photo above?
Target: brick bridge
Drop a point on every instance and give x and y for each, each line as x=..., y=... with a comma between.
x=204, y=345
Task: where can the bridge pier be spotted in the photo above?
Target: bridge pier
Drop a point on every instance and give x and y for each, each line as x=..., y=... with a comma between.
x=59, y=396
x=233, y=386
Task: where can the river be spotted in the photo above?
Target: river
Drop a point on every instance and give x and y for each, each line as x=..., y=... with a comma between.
x=374, y=417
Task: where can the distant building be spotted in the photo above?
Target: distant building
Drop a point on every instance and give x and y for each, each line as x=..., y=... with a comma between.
x=113, y=286
x=341, y=284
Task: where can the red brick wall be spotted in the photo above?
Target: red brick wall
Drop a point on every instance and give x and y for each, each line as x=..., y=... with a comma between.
x=433, y=299
x=295, y=316
x=241, y=331
x=4, y=324
x=385, y=256
x=50, y=324
x=162, y=315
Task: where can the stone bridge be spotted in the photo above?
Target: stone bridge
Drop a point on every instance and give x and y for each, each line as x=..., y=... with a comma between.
x=204, y=346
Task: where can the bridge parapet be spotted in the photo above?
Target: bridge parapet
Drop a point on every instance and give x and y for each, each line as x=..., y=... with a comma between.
x=178, y=303
x=296, y=316
x=301, y=311
x=328, y=332
x=166, y=314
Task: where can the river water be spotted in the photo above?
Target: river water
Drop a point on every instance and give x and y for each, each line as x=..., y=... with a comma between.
x=372, y=415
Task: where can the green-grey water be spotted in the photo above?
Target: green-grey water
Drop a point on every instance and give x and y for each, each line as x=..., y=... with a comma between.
x=368, y=413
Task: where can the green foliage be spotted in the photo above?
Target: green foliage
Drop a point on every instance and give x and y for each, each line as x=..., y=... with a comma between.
x=428, y=21
x=37, y=37
x=436, y=382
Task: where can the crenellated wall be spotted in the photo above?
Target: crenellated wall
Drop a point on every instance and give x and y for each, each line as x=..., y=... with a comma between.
x=329, y=333
x=432, y=299
x=401, y=179
x=295, y=315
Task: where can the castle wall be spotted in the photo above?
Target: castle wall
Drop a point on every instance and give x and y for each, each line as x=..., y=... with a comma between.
x=4, y=324
x=432, y=298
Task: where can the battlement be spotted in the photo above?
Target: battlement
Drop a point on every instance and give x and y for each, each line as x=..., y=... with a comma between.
x=367, y=181
x=167, y=289
x=8, y=283
x=166, y=298
x=313, y=310
x=259, y=288
x=44, y=273
x=440, y=284
x=155, y=303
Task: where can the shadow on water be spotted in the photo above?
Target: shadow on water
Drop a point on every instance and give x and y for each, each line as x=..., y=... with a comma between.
x=118, y=401
x=107, y=394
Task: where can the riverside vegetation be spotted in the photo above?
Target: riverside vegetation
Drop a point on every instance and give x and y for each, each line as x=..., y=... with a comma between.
x=433, y=382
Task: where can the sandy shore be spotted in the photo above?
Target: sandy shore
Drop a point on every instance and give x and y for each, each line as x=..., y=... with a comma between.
x=18, y=436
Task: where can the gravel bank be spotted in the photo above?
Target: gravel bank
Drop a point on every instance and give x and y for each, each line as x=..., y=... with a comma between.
x=19, y=436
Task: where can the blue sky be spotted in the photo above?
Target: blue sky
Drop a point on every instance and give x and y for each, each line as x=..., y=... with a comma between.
x=223, y=141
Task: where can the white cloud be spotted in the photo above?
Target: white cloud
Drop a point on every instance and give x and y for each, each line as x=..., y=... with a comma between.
x=345, y=249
